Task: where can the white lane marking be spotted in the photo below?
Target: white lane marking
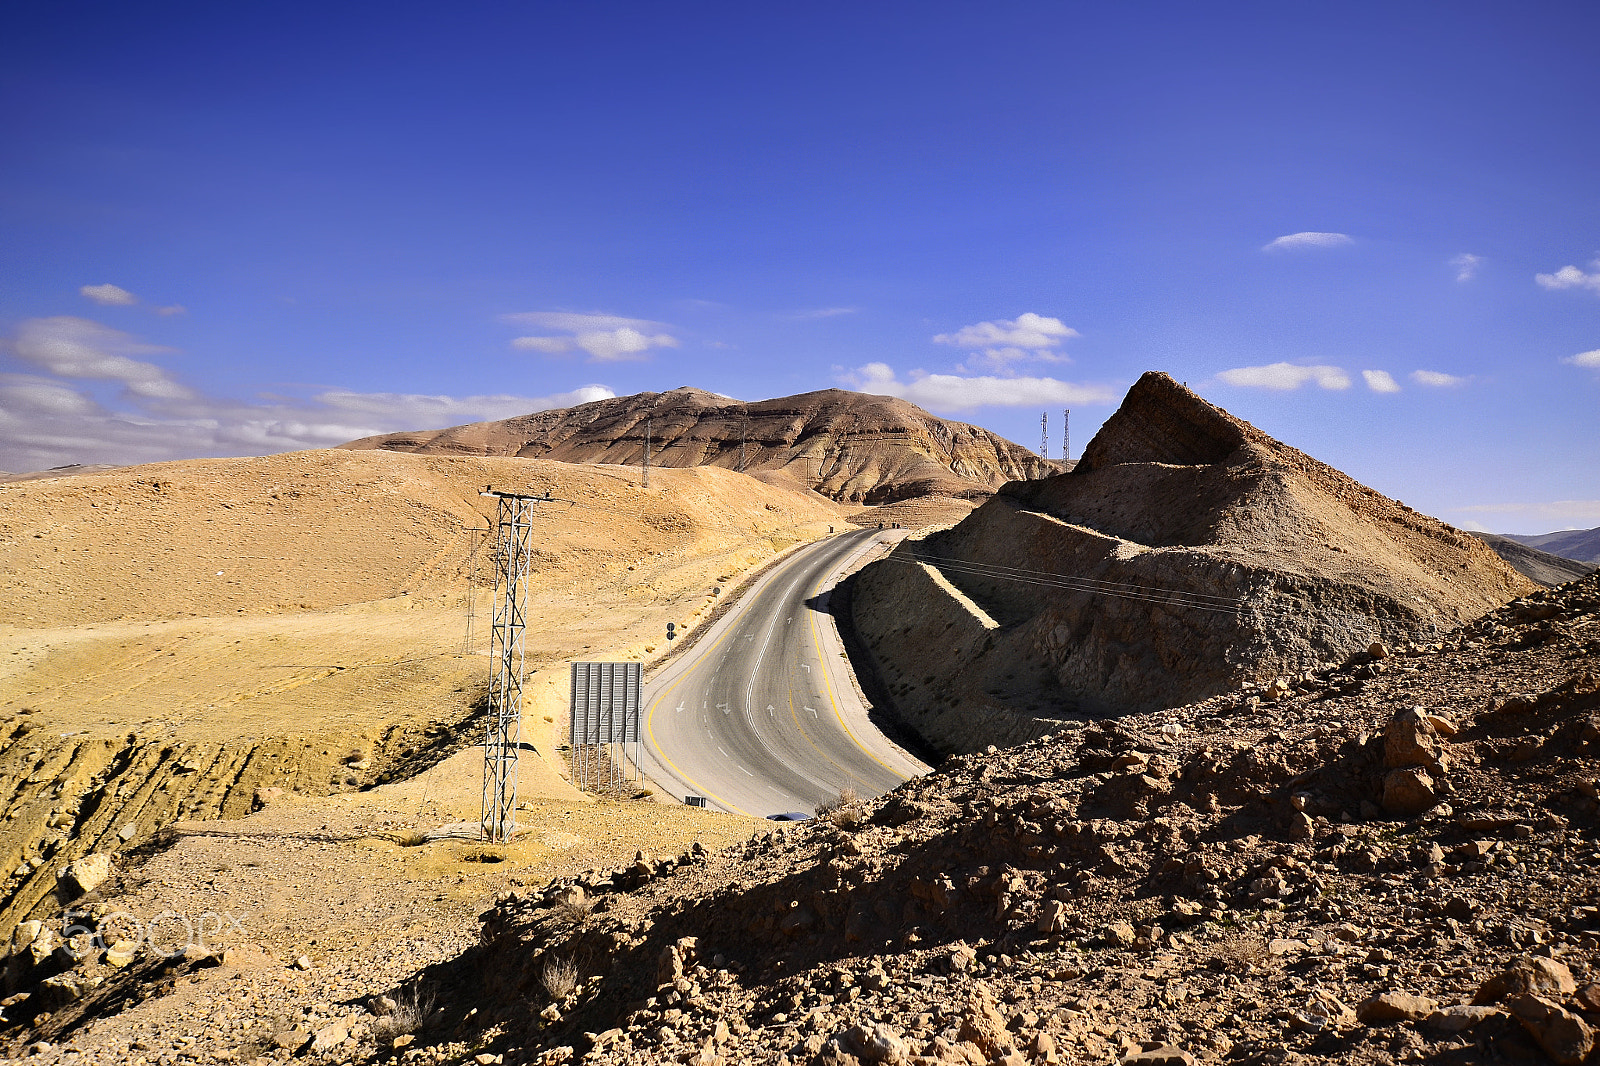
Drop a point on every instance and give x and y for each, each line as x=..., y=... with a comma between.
x=747, y=773
x=724, y=754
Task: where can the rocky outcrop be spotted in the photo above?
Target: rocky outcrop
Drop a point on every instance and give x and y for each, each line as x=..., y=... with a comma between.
x=849, y=446
x=1186, y=554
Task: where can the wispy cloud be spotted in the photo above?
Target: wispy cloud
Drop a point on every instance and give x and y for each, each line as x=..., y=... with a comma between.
x=109, y=295
x=824, y=312
x=607, y=338
x=1434, y=379
x=1307, y=239
x=1286, y=377
x=1586, y=359
x=1380, y=381
x=951, y=392
x=1570, y=277
x=1547, y=516
x=1466, y=265
x=47, y=419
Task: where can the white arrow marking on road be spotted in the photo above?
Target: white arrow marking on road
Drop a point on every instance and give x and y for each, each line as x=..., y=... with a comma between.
x=807, y=666
x=813, y=711
x=680, y=705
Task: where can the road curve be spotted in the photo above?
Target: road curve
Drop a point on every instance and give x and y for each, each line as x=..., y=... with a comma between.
x=763, y=717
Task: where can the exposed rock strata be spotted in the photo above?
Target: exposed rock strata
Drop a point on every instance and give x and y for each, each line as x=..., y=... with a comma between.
x=849, y=446
x=1186, y=554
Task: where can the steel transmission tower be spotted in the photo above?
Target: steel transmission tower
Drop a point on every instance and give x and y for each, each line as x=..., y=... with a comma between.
x=504, y=734
x=1066, y=440
x=1044, y=435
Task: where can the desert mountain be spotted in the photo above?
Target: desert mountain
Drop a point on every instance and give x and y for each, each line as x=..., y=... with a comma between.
x=850, y=446
x=1582, y=545
x=1186, y=554
x=1533, y=564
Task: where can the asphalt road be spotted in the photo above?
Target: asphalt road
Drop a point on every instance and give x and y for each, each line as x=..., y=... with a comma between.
x=762, y=717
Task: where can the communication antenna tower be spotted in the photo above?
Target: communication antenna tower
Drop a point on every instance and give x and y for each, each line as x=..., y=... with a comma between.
x=1066, y=439
x=1044, y=434
x=503, y=736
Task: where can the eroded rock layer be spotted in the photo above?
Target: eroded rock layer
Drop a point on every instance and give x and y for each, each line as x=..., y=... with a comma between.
x=846, y=445
x=1188, y=552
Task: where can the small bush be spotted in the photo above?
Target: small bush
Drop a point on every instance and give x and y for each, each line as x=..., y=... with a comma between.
x=412, y=1007
x=412, y=838
x=844, y=812
x=576, y=910
x=559, y=977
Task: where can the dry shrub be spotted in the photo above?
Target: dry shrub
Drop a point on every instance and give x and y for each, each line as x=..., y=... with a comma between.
x=412, y=1007
x=559, y=977
x=575, y=910
x=844, y=812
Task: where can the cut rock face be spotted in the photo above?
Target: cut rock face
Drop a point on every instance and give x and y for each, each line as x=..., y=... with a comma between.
x=1187, y=553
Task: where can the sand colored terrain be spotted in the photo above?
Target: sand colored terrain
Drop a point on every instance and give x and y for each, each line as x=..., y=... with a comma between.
x=1187, y=553
x=849, y=446
x=174, y=637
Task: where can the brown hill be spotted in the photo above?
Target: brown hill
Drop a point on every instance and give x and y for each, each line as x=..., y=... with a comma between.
x=1580, y=545
x=1187, y=553
x=1533, y=564
x=849, y=446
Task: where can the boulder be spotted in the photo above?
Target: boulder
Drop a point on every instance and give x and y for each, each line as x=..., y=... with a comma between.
x=1410, y=740
x=1563, y=1035
x=1408, y=792
x=84, y=875
x=1532, y=974
x=1388, y=1007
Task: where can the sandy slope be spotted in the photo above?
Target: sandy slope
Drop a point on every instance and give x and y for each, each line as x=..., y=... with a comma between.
x=175, y=636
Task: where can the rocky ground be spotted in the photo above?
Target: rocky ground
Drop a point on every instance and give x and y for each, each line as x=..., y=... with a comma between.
x=1386, y=860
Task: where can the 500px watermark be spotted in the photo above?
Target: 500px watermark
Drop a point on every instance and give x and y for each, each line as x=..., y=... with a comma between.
x=168, y=934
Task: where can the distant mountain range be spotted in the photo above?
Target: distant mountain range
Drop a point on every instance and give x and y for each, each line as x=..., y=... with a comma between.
x=1533, y=564
x=850, y=446
x=1582, y=545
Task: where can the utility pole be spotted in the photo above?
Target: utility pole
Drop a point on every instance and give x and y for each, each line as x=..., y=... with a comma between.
x=1066, y=441
x=503, y=736
x=1044, y=434
x=647, y=452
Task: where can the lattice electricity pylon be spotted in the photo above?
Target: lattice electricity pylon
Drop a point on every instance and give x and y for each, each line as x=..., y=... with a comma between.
x=504, y=733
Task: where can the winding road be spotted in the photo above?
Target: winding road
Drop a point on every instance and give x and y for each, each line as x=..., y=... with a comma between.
x=762, y=716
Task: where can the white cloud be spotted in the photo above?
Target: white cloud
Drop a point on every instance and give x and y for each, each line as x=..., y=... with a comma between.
x=607, y=338
x=1307, y=239
x=1380, y=381
x=1285, y=377
x=1588, y=359
x=78, y=348
x=47, y=421
x=1027, y=331
x=109, y=295
x=949, y=392
x=1570, y=277
x=825, y=312
x=1466, y=265
x=1436, y=380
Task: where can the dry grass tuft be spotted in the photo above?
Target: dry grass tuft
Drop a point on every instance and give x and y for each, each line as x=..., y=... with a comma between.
x=559, y=977
x=412, y=1007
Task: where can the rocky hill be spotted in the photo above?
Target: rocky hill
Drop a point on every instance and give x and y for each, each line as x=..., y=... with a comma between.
x=1187, y=553
x=1376, y=867
x=849, y=446
x=1533, y=564
x=1582, y=545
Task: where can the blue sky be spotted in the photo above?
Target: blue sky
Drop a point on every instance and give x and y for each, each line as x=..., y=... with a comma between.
x=1371, y=229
